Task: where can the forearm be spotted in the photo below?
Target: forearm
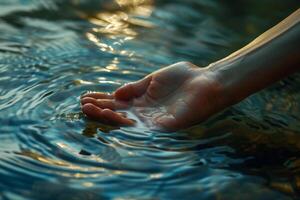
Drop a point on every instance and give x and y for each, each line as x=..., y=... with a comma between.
x=270, y=57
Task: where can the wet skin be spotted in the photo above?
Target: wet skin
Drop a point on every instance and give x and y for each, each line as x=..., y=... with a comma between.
x=173, y=104
x=183, y=94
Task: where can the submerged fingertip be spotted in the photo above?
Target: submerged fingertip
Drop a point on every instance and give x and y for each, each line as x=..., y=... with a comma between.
x=85, y=100
x=130, y=122
x=87, y=107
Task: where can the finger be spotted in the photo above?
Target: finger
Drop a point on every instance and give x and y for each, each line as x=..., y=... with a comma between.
x=133, y=90
x=97, y=95
x=92, y=111
x=105, y=103
x=105, y=115
x=114, y=117
x=101, y=103
x=123, y=114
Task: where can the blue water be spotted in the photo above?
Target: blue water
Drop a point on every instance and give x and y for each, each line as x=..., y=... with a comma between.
x=52, y=51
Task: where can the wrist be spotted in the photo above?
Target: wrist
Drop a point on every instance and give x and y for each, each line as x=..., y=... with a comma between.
x=226, y=77
x=212, y=82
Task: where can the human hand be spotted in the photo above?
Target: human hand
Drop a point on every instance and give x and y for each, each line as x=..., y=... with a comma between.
x=171, y=98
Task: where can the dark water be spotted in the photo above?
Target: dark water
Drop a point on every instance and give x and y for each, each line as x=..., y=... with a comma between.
x=53, y=51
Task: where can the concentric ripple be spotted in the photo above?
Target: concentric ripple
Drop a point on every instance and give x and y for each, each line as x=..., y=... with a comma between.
x=53, y=51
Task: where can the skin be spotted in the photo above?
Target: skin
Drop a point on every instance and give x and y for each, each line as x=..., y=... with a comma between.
x=182, y=95
x=173, y=102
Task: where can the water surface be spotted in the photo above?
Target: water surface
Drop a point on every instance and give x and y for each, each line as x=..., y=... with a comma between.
x=53, y=51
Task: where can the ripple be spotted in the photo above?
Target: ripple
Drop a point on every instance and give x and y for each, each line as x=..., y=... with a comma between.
x=53, y=51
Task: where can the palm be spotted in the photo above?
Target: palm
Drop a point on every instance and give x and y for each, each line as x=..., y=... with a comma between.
x=167, y=98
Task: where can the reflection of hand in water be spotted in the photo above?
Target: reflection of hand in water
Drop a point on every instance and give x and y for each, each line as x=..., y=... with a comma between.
x=91, y=129
x=172, y=98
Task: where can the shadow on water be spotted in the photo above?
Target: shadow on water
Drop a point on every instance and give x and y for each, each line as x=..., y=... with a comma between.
x=53, y=51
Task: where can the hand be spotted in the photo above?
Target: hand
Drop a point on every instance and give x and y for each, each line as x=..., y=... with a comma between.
x=172, y=98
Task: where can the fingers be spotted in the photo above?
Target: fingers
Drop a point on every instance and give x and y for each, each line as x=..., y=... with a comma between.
x=112, y=116
x=99, y=106
x=126, y=92
x=133, y=90
x=105, y=103
x=97, y=95
x=105, y=115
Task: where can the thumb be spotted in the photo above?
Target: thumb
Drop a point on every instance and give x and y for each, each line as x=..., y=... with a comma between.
x=133, y=89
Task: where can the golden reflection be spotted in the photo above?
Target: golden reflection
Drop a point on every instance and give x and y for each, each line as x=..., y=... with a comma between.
x=80, y=170
x=62, y=145
x=155, y=176
x=137, y=7
x=82, y=82
x=118, y=172
x=61, y=163
x=139, y=22
x=92, y=128
x=113, y=24
x=88, y=184
x=97, y=174
x=100, y=69
x=96, y=41
x=113, y=65
x=297, y=182
x=119, y=26
x=126, y=72
x=130, y=2
x=282, y=187
x=42, y=158
x=120, y=22
x=102, y=78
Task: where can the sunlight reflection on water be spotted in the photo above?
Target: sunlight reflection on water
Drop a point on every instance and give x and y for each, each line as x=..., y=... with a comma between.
x=53, y=51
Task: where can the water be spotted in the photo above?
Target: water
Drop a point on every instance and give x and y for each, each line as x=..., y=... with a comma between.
x=53, y=51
